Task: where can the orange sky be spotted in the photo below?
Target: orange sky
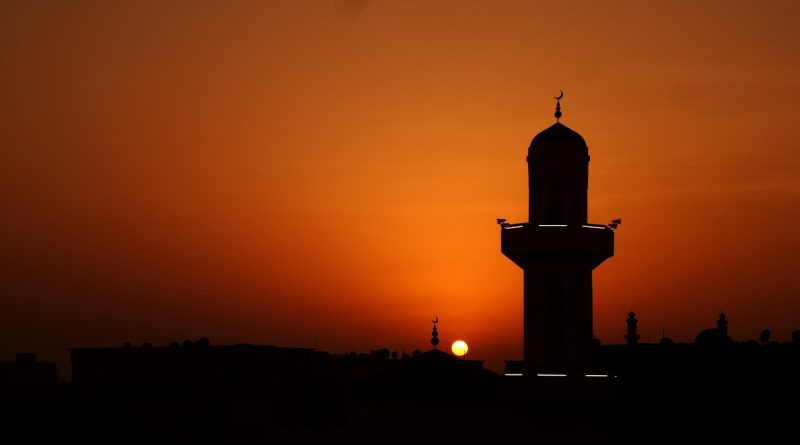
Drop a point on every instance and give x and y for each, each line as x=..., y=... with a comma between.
x=270, y=171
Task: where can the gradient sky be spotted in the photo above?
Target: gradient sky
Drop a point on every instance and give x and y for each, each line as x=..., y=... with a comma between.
x=271, y=171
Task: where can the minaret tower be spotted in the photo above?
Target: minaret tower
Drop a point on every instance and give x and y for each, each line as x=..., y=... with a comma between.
x=632, y=337
x=557, y=250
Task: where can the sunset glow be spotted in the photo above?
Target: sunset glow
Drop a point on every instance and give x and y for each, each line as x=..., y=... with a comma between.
x=329, y=173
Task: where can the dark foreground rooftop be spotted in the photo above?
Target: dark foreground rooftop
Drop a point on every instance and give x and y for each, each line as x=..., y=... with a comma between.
x=199, y=393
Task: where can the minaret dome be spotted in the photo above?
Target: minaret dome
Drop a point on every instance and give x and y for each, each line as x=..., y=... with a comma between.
x=558, y=176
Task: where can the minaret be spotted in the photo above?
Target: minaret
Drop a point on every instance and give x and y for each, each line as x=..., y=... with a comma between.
x=557, y=250
x=722, y=325
x=632, y=337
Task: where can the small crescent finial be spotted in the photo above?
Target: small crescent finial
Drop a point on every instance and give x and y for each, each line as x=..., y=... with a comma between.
x=558, y=104
x=435, y=333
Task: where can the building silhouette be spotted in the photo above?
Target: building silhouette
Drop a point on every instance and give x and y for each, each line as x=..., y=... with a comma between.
x=557, y=250
x=294, y=378
x=26, y=374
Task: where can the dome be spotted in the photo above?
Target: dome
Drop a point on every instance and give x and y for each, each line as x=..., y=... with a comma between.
x=711, y=337
x=559, y=141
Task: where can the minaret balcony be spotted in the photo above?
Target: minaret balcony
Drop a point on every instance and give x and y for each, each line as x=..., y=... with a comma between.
x=527, y=244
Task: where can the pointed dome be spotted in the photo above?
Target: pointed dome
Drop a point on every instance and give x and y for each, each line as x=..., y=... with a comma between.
x=558, y=141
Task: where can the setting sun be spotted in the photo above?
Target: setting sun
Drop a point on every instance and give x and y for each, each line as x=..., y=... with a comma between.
x=460, y=348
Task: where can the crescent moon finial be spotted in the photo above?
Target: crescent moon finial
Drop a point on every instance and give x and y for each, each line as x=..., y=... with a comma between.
x=435, y=334
x=558, y=104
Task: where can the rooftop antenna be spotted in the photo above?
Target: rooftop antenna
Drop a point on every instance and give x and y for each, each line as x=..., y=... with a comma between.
x=435, y=333
x=558, y=104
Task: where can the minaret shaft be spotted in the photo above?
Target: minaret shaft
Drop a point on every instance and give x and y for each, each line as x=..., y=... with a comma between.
x=558, y=317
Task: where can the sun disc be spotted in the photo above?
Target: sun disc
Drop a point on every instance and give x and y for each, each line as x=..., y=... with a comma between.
x=460, y=348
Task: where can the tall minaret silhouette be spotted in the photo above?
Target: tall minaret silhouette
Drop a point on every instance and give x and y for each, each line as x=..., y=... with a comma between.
x=557, y=251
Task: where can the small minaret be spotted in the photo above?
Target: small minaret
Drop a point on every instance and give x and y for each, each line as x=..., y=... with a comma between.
x=722, y=325
x=632, y=337
x=435, y=334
